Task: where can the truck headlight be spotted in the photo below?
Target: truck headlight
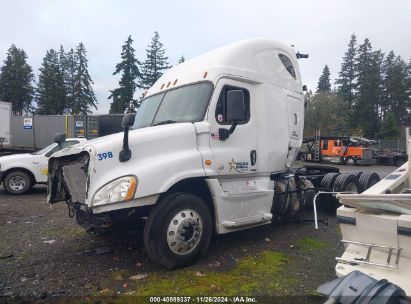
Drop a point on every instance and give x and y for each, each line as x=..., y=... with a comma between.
x=118, y=190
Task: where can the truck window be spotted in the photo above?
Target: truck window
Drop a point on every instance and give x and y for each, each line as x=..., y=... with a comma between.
x=325, y=144
x=147, y=111
x=221, y=109
x=184, y=104
x=288, y=64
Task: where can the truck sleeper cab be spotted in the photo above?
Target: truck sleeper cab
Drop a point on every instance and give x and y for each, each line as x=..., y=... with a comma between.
x=202, y=155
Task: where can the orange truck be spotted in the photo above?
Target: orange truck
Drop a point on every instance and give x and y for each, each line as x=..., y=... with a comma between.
x=340, y=150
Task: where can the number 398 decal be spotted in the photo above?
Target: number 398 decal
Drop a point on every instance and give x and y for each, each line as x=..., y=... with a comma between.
x=105, y=155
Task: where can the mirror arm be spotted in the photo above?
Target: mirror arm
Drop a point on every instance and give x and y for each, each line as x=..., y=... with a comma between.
x=125, y=154
x=232, y=128
x=223, y=134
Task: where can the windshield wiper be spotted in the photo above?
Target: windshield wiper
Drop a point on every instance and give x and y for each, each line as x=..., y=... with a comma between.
x=165, y=122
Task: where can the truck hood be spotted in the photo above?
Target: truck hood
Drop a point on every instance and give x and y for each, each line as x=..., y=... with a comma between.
x=160, y=156
x=136, y=137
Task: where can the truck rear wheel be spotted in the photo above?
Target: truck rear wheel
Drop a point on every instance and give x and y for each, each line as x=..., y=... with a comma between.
x=328, y=180
x=178, y=230
x=399, y=161
x=344, y=182
x=327, y=184
x=368, y=180
x=17, y=182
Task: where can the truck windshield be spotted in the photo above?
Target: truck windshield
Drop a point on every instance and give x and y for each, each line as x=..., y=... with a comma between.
x=185, y=104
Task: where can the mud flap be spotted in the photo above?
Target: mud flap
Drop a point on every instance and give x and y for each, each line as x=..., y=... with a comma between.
x=357, y=287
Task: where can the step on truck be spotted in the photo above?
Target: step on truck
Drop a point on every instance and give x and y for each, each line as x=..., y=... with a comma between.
x=209, y=151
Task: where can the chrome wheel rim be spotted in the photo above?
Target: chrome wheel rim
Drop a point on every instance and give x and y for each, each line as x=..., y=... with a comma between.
x=184, y=232
x=17, y=183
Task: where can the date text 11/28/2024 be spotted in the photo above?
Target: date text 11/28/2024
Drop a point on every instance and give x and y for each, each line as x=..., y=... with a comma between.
x=202, y=299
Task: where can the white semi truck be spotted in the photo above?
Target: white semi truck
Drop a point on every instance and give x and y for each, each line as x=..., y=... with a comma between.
x=209, y=151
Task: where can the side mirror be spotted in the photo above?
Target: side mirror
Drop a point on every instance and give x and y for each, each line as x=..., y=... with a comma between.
x=59, y=138
x=235, y=104
x=235, y=112
x=128, y=120
x=126, y=123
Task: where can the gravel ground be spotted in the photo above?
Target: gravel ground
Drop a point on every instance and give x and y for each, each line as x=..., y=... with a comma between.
x=44, y=253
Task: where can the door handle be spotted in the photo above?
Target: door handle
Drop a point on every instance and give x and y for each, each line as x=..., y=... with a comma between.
x=253, y=157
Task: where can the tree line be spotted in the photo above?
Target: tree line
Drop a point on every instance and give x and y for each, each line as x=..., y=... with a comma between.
x=64, y=85
x=371, y=96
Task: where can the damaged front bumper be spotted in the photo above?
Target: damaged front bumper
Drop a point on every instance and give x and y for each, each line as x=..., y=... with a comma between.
x=68, y=181
x=68, y=178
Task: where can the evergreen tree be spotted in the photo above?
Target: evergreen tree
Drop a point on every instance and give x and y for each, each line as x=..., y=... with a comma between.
x=16, y=81
x=396, y=88
x=50, y=90
x=346, y=83
x=387, y=66
x=155, y=63
x=325, y=112
x=63, y=64
x=124, y=94
x=181, y=60
x=324, y=85
x=365, y=115
x=69, y=68
x=389, y=127
x=408, y=81
x=83, y=94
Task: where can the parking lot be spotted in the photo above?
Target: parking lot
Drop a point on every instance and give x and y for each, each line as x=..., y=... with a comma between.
x=44, y=254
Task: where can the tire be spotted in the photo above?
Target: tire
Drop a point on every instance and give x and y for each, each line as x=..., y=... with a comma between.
x=367, y=180
x=303, y=157
x=17, y=182
x=343, y=182
x=398, y=162
x=328, y=180
x=309, y=195
x=350, y=161
x=178, y=215
x=346, y=182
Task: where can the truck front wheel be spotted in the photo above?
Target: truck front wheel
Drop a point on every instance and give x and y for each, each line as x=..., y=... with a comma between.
x=178, y=230
x=350, y=161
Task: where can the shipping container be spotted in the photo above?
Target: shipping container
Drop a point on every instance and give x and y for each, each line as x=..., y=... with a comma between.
x=5, y=114
x=36, y=132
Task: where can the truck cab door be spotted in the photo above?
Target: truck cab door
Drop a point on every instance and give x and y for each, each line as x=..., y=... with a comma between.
x=295, y=106
x=237, y=154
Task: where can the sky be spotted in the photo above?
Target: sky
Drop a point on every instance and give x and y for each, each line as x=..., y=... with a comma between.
x=321, y=28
